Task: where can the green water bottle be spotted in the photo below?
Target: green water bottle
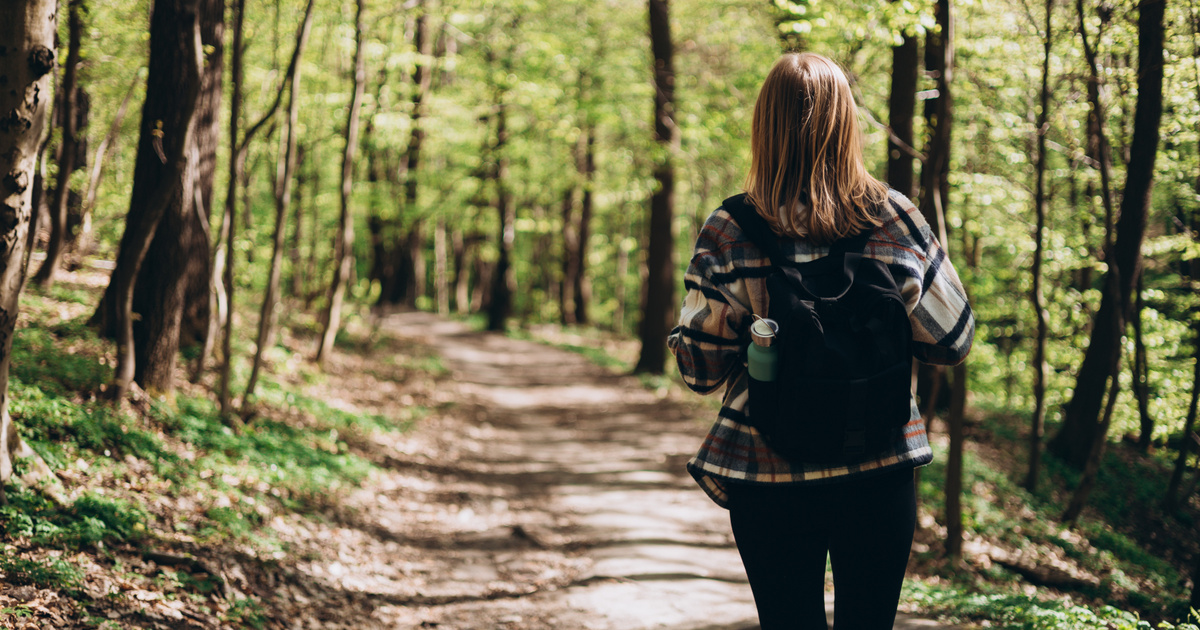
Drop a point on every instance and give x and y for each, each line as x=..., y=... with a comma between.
x=762, y=357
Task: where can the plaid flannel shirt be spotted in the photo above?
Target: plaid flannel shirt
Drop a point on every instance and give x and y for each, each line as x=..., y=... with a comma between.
x=726, y=286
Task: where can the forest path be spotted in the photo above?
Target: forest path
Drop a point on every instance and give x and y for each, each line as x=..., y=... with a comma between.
x=555, y=498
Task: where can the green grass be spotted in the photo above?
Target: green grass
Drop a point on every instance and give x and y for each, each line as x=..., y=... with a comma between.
x=1009, y=611
x=293, y=457
x=48, y=573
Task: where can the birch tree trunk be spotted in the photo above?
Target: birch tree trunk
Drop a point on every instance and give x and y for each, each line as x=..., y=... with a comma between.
x=27, y=28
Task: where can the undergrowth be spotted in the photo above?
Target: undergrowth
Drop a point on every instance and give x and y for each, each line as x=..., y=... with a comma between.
x=169, y=474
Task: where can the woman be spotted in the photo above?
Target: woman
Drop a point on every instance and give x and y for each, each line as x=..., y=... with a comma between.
x=808, y=181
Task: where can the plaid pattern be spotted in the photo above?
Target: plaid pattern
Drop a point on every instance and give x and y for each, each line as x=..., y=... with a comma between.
x=726, y=285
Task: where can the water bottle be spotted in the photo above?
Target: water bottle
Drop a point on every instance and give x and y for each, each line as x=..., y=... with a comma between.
x=762, y=357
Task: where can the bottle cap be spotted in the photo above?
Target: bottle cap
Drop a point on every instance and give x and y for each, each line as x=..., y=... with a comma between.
x=763, y=331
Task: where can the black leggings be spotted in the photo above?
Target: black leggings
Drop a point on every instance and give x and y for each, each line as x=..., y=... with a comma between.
x=783, y=533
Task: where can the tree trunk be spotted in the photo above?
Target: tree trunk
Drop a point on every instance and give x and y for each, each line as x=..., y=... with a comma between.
x=229, y=222
x=1040, y=368
x=313, y=236
x=931, y=379
x=502, y=280
x=582, y=291
x=901, y=108
x=164, y=147
x=196, y=328
x=68, y=102
x=1189, y=424
x=462, y=293
x=344, y=256
x=621, y=291
x=1081, y=428
x=570, y=258
x=283, y=198
x=1095, y=455
x=172, y=296
x=296, y=284
x=414, y=239
x=1141, y=369
x=954, y=462
x=27, y=29
x=440, y=277
x=938, y=111
x=659, y=292
x=1194, y=601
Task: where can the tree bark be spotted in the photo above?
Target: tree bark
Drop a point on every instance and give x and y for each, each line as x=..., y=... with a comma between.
x=1141, y=369
x=172, y=297
x=1040, y=368
x=27, y=30
x=935, y=190
x=570, y=257
x=939, y=55
x=582, y=290
x=344, y=256
x=159, y=185
x=901, y=108
x=1194, y=601
x=659, y=291
x=954, y=462
x=67, y=113
x=440, y=276
x=462, y=293
x=1189, y=424
x=196, y=328
x=1081, y=428
x=296, y=284
x=229, y=221
x=502, y=280
x=1095, y=455
x=414, y=237
x=283, y=199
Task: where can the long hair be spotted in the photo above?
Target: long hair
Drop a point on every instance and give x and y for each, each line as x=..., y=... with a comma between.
x=807, y=177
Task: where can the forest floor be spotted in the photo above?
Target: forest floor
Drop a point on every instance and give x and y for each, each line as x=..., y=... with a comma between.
x=434, y=476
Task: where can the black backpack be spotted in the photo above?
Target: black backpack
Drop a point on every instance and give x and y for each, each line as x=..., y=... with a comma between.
x=842, y=390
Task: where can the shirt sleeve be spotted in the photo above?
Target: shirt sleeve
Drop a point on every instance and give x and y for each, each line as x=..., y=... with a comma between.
x=943, y=324
x=711, y=334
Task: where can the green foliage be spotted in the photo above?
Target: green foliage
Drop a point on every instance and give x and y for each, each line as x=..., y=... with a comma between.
x=48, y=573
x=996, y=508
x=1023, y=612
x=246, y=613
x=88, y=521
x=38, y=359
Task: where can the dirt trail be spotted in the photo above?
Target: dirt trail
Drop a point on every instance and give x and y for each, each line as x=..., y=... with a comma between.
x=547, y=493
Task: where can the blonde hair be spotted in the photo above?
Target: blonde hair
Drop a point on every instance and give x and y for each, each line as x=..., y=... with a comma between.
x=806, y=153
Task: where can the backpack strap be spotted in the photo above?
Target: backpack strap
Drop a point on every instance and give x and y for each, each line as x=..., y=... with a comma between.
x=760, y=233
x=756, y=229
